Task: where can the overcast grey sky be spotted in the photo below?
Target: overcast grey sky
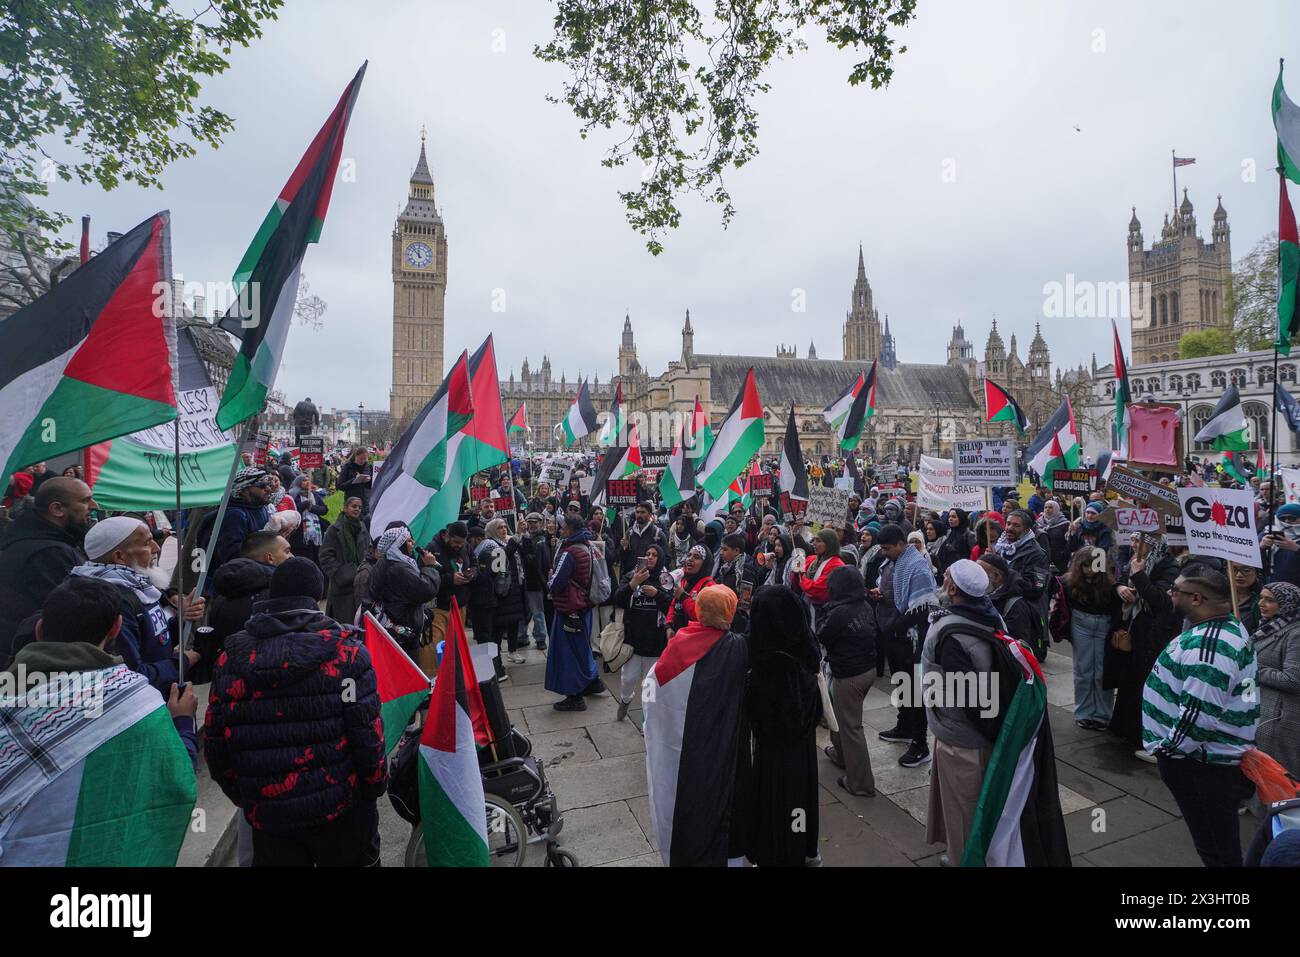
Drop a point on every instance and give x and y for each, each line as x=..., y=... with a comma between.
x=989, y=92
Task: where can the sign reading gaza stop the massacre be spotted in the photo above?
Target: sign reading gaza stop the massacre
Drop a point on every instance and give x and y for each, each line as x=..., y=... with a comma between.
x=1220, y=522
x=984, y=462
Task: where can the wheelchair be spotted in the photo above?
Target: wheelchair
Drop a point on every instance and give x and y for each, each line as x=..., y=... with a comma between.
x=520, y=806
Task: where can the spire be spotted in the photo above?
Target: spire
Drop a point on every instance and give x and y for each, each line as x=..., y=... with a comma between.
x=686, y=329
x=422, y=174
x=862, y=265
x=1219, y=211
x=812, y=350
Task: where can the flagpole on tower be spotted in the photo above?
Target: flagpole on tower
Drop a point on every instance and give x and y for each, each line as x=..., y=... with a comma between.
x=1173, y=163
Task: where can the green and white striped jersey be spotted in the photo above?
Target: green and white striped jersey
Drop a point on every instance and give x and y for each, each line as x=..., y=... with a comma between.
x=1202, y=697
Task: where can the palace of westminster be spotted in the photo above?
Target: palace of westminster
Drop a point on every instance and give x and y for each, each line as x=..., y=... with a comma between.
x=921, y=407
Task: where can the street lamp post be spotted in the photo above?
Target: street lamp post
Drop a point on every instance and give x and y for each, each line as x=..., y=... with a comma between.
x=361, y=424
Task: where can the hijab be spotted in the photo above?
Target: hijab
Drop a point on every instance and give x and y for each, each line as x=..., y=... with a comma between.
x=1288, y=612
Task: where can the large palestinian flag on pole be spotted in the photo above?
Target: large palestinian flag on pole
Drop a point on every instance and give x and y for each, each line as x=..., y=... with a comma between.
x=1288, y=274
x=487, y=444
x=738, y=438
x=137, y=471
x=1001, y=407
x=1056, y=446
x=1227, y=429
x=267, y=278
x=421, y=481
x=93, y=358
x=793, y=476
x=848, y=414
x=403, y=687
x=1123, y=394
x=677, y=483
x=93, y=776
x=452, y=808
x=581, y=419
x=612, y=431
x=692, y=702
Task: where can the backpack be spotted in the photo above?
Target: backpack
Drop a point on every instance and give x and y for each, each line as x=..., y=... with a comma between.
x=598, y=588
x=1035, y=639
x=1060, y=617
x=403, y=779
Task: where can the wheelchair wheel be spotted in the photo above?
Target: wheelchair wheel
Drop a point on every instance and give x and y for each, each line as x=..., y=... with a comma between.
x=561, y=858
x=507, y=836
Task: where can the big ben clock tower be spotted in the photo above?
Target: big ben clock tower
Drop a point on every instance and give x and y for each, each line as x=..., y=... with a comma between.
x=419, y=291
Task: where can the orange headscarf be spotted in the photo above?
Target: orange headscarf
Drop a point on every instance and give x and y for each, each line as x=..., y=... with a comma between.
x=716, y=606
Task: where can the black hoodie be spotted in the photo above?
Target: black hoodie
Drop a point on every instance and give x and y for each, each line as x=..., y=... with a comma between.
x=238, y=584
x=846, y=624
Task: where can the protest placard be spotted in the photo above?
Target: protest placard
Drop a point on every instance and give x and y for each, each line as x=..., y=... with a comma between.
x=261, y=442
x=479, y=493
x=1220, y=522
x=828, y=507
x=1141, y=490
x=761, y=485
x=1130, y=520
x=311, y=452
x=1074, y=481
x=936, y=489
x=1291, y=484
x=844, y=482
x=792, y=508
x=985, y=462
x=621, y=493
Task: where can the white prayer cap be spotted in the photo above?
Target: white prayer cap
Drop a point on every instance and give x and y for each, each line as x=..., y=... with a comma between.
x=970, y=577
x=106, y=534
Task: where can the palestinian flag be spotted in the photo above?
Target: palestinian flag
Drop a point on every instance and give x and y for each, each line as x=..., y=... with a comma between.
x=421, y=481
x=793, y=476
x=692, y=700
x=1227, y=429
x=486, y=444
x=739, y=437
x=1123, y=394
x=267, y=278
x=1056, y=446
x=677, y=483
x=1261, y=464
x=612, y=431
x=452, y=808
x=403, y=687
x=698, y=437
x=581, y=419
x=137, y=472
x=1017, y=820
x=1238, y=466
x=95, y=357
x=1001, y=407
x=91, y=781
x=848, y=414
x=1286, y=121
x=519, y=421
x=1288, y=274
x=617, y=464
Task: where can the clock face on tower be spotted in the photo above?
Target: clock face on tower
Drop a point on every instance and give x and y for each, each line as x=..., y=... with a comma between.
x=419, y=255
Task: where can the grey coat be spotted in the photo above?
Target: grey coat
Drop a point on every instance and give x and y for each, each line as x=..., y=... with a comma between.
x=1279, y=679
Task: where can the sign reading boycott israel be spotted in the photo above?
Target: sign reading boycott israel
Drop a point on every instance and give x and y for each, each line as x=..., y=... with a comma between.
x=985, y=462
x=936, y=489
x=1221, y=522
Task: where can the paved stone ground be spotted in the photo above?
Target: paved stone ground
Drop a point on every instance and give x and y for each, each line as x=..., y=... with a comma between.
x=1117, y=811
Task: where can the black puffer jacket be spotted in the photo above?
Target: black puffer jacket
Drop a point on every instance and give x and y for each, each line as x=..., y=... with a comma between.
x=846, y=624
x=35, y=557
x=1017, y=612
x=293, y=734
x=403, y=591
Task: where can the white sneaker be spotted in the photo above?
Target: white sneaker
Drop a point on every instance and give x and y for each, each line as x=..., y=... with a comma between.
x=1141, y=755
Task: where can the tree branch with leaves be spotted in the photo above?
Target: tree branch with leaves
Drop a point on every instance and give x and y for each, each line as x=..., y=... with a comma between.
x=678, y=81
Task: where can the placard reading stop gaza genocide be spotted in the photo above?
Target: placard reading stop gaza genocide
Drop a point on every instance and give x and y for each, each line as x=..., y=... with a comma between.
x=1220, y=522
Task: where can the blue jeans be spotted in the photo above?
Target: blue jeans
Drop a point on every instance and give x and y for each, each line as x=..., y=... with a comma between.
x=536, y=613
x=1088, y=635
